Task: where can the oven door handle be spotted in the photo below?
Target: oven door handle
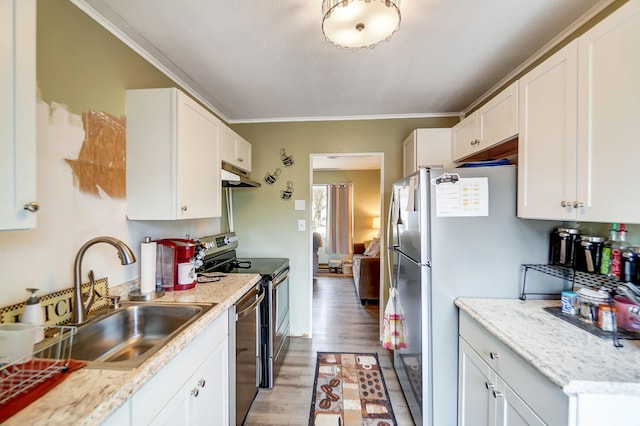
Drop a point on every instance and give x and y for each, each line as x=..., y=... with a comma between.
x=251, y=307
x=281, y=278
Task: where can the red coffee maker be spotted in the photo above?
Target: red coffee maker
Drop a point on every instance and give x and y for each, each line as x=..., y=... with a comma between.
x=174, y=268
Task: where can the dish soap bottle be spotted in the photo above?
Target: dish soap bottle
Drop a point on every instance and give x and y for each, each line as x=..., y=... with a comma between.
x=33, y=314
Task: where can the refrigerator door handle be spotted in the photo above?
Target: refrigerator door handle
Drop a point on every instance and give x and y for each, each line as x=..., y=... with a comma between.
x=390, y=247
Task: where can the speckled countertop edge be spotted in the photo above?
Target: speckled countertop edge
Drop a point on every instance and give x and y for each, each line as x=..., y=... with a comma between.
x=570, y=357
x=90, y=396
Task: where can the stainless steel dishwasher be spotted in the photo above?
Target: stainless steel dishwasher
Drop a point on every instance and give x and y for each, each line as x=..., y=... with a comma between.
x=244, y=364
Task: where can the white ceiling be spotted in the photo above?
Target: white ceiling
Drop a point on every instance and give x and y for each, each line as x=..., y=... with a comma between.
x=267, y=60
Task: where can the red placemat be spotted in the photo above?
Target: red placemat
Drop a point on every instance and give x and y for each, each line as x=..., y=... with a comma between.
x=16, y=404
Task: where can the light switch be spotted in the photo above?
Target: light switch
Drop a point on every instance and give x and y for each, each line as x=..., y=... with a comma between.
x=299, y=205
x=302, y=225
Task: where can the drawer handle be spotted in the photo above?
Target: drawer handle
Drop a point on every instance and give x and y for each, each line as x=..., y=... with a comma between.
x=201, y=383
x=489, y=385
x=497, y=394
x=195, y=392
x=494, y=355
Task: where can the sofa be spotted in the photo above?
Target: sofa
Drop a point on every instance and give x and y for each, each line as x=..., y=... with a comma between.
x=366, y=272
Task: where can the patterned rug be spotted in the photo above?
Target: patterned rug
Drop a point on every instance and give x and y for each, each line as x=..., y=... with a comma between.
x=349, y=390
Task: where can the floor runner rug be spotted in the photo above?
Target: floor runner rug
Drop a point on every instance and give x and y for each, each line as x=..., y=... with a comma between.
x=349, y=390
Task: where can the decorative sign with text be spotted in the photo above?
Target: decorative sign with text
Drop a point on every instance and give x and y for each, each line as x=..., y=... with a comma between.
x=58, y=306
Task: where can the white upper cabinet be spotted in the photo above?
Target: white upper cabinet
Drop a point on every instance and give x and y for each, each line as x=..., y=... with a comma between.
x=18, y=114
x=547, y=139
x=235, y=150
x=493, y=123
x=173, y=160
x=608, y=110
x=426, y=147
x=577, y=144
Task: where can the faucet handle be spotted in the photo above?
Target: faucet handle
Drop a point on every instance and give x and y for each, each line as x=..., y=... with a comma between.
x=114, y=301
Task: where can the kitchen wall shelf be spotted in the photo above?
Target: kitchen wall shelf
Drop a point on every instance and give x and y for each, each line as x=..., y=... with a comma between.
x=556, y=311
x=575, y=278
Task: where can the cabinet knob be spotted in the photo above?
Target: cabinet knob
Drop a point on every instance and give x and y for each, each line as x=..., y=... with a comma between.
x=195, y=392
x=32, y=207
x=201, y=383
x=489, y=385
x=183, y=209
x=497, y=394
x=577, y=204
x=565, y=204
x=240, y=159
x=494, y=355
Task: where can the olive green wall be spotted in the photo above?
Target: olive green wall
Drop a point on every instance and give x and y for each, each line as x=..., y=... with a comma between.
x=82, y=65
x=366, y=202
x=267, y=226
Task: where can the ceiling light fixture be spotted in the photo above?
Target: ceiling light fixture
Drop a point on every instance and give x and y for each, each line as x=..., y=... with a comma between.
x=355, y=24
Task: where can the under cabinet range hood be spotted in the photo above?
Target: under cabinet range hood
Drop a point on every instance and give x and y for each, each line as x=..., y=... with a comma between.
x=233, y=177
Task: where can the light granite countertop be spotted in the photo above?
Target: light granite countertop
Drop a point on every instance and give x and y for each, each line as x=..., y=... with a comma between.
x=572, y=358
x=90, y=396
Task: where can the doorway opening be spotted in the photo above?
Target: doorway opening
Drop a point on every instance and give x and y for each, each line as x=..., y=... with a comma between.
x=364, y=172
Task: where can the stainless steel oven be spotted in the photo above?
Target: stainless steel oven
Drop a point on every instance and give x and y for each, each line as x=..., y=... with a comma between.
x=273, y=335
x=275, y=328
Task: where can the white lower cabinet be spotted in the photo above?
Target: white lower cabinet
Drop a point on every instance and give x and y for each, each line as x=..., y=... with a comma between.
x=497, y=387
x=193, y=388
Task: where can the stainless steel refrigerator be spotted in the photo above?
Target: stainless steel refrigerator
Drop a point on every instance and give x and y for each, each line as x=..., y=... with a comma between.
x=450, y=240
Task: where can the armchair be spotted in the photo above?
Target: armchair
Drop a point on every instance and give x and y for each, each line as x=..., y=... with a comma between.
x=366, y=274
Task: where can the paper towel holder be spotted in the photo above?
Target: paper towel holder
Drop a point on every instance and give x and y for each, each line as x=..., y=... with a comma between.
x=137, y=296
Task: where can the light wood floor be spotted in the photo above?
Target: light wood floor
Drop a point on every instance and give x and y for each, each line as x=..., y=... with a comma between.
x=340, y=324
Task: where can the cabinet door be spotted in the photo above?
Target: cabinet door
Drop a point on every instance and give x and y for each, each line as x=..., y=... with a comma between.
x=211, y=405
x=498, y=118
x=465, y=137
x=608, y=105
x=204, y=399
x=547, y=140
x=511, y=409
x=409, y=154
x=198, y=162
x=476, y=403
x=243, y=154
x=235, y=150
x=17, y=113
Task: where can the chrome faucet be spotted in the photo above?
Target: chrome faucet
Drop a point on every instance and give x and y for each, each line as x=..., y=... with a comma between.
x=83, y=304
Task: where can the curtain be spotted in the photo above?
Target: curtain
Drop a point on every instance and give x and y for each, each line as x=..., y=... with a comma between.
x=340, y=219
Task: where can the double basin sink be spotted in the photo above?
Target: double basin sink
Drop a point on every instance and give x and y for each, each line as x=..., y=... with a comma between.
x=125, y=337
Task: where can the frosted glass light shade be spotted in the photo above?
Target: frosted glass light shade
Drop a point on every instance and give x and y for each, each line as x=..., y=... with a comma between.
x=355, y=24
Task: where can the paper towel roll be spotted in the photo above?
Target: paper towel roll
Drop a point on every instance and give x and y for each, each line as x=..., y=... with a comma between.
x=148, y=267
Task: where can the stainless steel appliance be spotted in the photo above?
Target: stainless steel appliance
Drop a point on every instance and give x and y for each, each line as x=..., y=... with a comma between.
x=438, y=256
x=244, y=365
x=220, y=256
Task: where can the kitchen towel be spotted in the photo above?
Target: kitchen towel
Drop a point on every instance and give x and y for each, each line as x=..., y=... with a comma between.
x=395, y=327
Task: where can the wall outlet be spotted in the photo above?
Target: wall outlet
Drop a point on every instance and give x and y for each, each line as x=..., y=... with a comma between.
x=302, y=225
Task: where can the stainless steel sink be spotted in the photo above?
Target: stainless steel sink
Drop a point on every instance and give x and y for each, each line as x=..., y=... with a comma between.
x=125, y=337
